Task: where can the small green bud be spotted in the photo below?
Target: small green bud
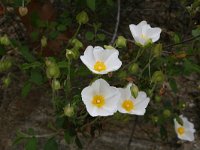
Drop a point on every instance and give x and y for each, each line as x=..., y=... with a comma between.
x=121, y=42
x=43, y=41
x=166, y=113
x=68, y=110
x=53, y=71
x=155, y=119
x=158, y=77
x=157, y=50
x=157, y=98
x=55, y=85
x=70, y=54
x=134, y=68
x=5, y=65
x=6, y=81
x=82, y=17
x=108, y=47
x=134, y=90
x=182, y=105
x=76, y=44
x=5, y=40
x=48, y=62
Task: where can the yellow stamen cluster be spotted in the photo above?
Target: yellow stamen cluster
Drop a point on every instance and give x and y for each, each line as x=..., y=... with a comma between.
x=98, y=101
x=128, y=105
x=181, y=130
x=99, y=66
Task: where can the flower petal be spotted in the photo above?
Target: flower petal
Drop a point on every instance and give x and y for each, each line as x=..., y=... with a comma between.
x=154, y=34
x=113, y=63
x=88, y=57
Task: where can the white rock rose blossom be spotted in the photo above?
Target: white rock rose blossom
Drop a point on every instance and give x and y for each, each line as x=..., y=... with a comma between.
x=100, y=98
x=185, y=131
x=143, y=33
x=101, y=61
x=129, y=104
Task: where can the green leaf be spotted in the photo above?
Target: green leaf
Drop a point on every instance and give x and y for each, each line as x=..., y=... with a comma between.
x=33, y=65
x=91, y=4
x=196, y=32
x=190, y=67
x=69, y=135
x=62, y=64
x=176, y=38
x=31, y=144
x=173, y=85
x=51, y=144
x=18, y=139
x=34, y=35
x=2, y=50
x=26, y=54
x=89, y=36
x=61, y=27
x=110, y=2
x=101, y=37
x=26, y=89
x=53, y=34
x=78, y=142
x=36, y=77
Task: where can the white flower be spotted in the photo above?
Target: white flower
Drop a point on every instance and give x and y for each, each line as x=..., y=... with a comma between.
x=101, y=61
x=143, y=33
x=100, y=98
x=185, y=131
x=129, y=104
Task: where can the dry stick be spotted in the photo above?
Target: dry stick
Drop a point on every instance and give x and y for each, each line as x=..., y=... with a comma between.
x=132, y=133
x=184, y=41
x=117, y=23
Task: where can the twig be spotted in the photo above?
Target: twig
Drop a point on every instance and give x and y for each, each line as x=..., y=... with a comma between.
x=42, y=135
x=132, y=133
x=184, y=41
x=117, y=23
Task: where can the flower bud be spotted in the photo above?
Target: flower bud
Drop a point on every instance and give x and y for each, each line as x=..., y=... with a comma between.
x=158, y=77
x=70, y=54
x=6, y=81
x=157, y=50
x=121, y=42
x=108, y=47
x=5, y=40
x=55, y=85
x=5, y=65
x=43, y=41
x=82, y=17
x=23, y=11
x=134, y=90
x=155, y=119
x=166, y=113
x=134, y=68
x=68, y=110
x=76, y=43
x=53, y=71
x=182, y=105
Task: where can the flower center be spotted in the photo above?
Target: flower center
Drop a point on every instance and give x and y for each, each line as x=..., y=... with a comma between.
x=99, y=66
x=181, y=130
x=98, y=101
x=144, y=37
x=128, y=105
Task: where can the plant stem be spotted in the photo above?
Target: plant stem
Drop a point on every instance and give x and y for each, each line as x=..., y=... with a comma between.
x=69, y=77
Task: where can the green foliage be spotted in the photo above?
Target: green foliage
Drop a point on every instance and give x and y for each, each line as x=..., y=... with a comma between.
x=51, y=144
x=61, y=73
x=91, y=4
